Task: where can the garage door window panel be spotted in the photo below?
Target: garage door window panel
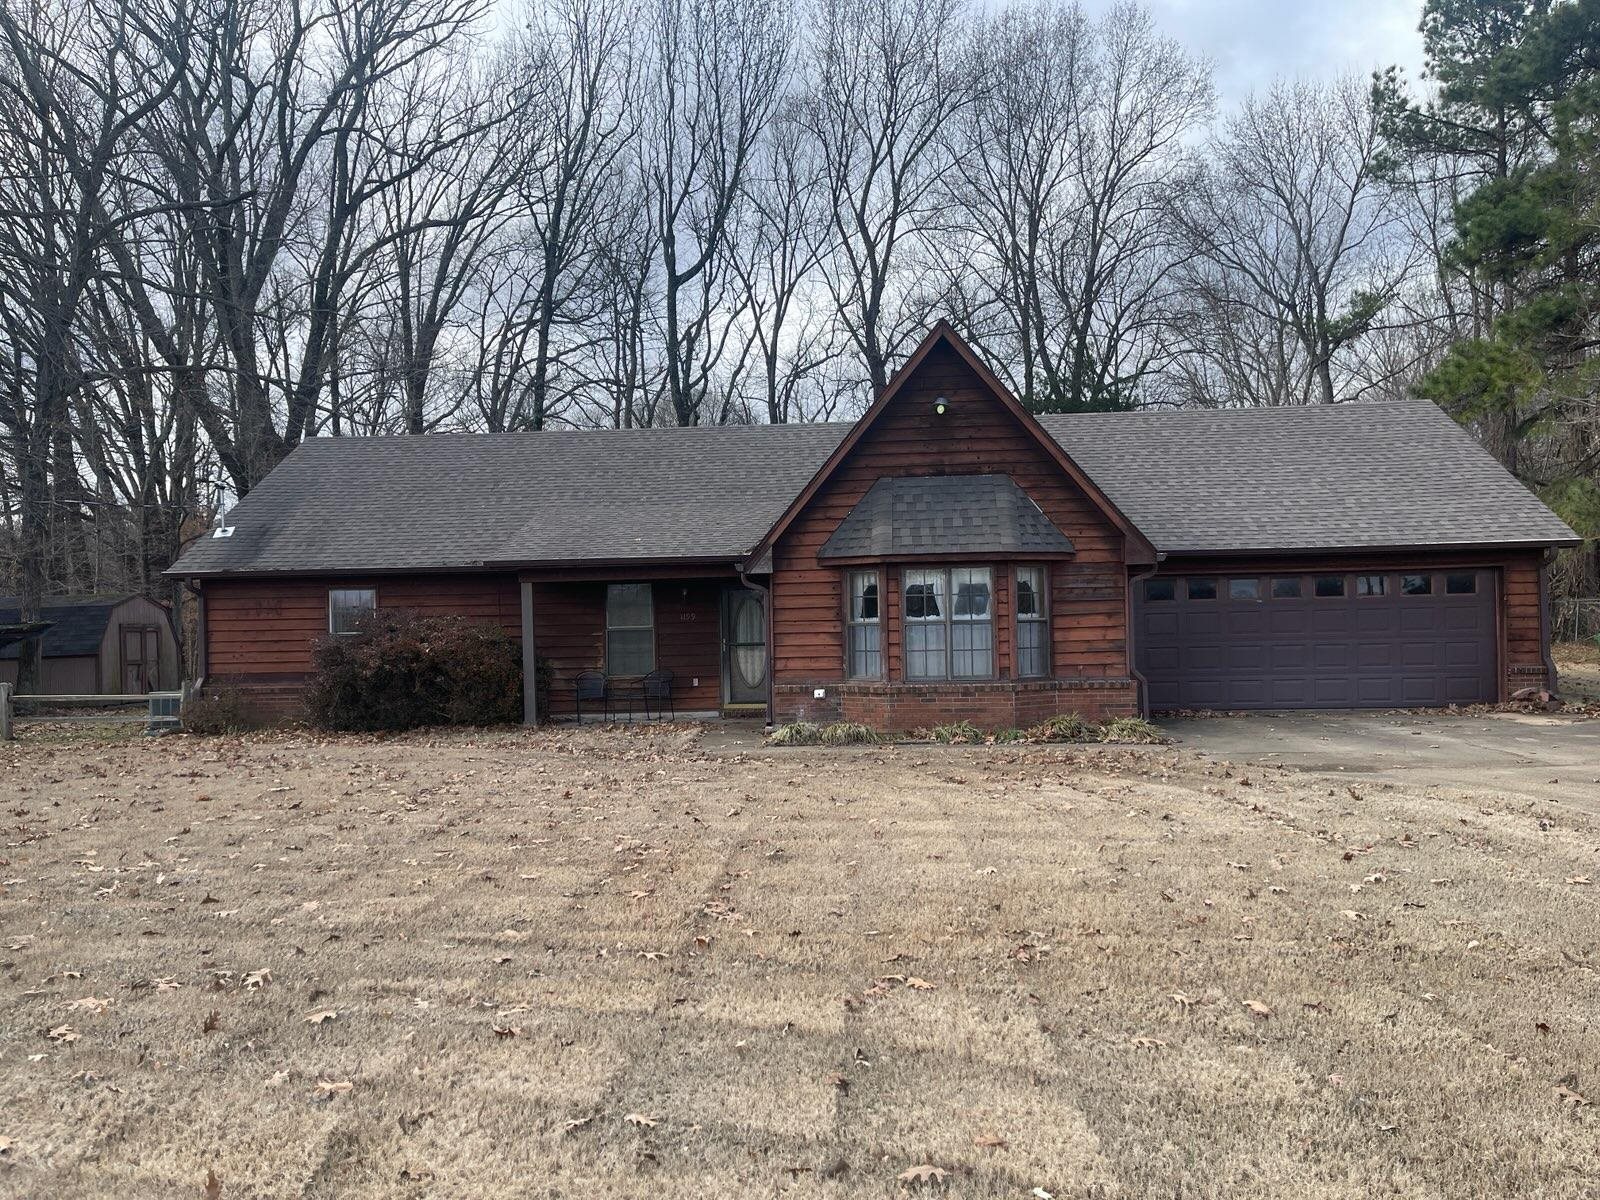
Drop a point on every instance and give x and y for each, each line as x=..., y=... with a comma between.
x=1286, y=588
x=1371, y=585
x=1201, y=588
x=1244, y=589
x=1416, y=585
x=1328, y=587
x=1460, y=584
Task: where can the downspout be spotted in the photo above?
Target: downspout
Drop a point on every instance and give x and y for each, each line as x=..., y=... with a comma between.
x=1133, y=670
x=766, y=629
x=191, y=586
x=1550, y=678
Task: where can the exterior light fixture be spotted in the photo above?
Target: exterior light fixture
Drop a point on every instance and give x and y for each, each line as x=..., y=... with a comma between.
x=941, y=405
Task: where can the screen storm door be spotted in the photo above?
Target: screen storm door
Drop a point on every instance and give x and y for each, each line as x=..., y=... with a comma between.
x=744, y=647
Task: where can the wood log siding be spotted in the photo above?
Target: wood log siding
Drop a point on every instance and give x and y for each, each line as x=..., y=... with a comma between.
x=263, y=631
x=976, y=436
x=569, y=628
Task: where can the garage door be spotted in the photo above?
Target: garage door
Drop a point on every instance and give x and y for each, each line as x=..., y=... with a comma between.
x=1318, y=640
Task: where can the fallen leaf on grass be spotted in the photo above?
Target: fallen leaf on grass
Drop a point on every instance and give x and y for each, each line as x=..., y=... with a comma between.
x=990, y=1141
x=924, y=1174
x=213, y=1186
x=63, y=1034
x=1568, y=1096
x=579, y=1122
x=277, y=1079
x=644, y=1120
x=652, y=955
x=1039, y=1193
x=1148, y=1043
x=1257, y=1009
x=921, y=985
x=1181, y=1000
x=1581, y=881
x=6, y=1146
x=212, y=1023
x=327, y=1089
x=96, y=1004
x=257, y=979
x=507, y=1031
x=318, y=1017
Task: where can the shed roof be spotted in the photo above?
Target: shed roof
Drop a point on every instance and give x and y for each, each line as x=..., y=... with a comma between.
x=1348, y=476
x=76, y=623
x=944, y=514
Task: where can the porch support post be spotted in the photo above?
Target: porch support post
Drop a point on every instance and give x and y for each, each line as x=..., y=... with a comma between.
x=530, y=659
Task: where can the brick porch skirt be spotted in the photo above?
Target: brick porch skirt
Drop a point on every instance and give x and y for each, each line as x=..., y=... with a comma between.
x=991, y=704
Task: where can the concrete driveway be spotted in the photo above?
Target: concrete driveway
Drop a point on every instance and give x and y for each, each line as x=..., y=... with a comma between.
x=1544, y=757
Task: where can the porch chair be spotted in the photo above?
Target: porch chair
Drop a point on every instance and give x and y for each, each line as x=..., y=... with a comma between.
x=591, y=686
x=658, y=691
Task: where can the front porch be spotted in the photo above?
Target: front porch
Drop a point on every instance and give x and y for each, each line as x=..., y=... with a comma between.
x=707, y=630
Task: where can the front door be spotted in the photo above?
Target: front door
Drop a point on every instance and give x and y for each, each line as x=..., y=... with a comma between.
x=744, y=647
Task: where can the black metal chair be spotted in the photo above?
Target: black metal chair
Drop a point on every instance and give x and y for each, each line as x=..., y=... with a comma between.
x=591, y=686
x=658, y=691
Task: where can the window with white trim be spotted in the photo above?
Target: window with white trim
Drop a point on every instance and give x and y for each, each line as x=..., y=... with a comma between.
x=864, y=626
x=347, y=607
x=630, y=629
x=949, y=623
x=1033, y=623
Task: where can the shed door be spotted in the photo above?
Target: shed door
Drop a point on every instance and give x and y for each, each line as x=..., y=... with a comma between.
x=141, y=658
x=1332, y=640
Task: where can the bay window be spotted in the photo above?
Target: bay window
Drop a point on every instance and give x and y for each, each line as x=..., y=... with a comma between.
x=949, y=623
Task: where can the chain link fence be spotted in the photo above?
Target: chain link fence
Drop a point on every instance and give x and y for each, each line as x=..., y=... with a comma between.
x=1576, y=620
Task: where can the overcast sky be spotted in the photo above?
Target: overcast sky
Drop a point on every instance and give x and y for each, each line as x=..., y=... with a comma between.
x=1251, y=41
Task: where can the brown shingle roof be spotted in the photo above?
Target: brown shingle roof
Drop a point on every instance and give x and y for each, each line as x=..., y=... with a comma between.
x=1193, y=481
x=1328, y=477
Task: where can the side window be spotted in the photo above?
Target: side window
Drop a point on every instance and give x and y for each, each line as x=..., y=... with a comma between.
x=1416, y=585
x=1286, y=587
x=1202, y=588
x=865, y=626
x=1461, y=583
x=1329, y=585
x=1371, y=585
x=347, y=606
x=1244, y=589
x=1033, y=623
x=1157, y=590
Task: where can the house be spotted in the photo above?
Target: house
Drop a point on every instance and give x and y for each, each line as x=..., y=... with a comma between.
x=947, y=556
x=99, y=645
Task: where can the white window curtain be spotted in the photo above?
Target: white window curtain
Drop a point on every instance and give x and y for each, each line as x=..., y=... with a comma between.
x=1033, y=624
x=865, y=626
x=949, y=623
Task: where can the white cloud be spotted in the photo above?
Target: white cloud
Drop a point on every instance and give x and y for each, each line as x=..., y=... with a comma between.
x=1253, y=42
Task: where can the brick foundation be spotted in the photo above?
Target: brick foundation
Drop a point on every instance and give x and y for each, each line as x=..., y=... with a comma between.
x=999, y=704
x=264, y=702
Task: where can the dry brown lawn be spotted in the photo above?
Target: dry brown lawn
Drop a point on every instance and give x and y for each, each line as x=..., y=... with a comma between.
x=1578, y=665
x=657, y=965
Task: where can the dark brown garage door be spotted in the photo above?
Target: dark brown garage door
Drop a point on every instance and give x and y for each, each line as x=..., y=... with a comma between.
x=1350, y=640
